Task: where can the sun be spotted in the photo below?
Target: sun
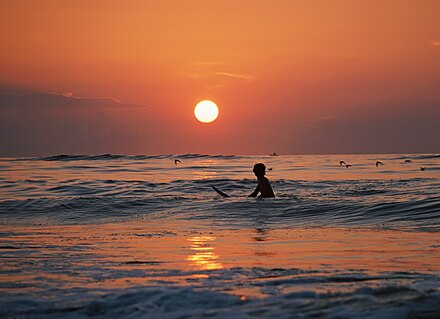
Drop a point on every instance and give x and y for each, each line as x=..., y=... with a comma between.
x=206, y=111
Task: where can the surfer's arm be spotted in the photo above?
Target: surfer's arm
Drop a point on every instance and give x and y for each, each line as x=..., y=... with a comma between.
x=255, y=192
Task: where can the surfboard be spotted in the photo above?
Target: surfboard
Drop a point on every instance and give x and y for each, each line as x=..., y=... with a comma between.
x=219, y=192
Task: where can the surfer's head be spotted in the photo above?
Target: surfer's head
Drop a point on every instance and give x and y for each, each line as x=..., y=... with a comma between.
x=259, y=170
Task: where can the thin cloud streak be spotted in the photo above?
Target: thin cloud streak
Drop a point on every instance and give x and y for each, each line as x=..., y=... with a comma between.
x=73, y=96
x=54, y=99
x=237, y=76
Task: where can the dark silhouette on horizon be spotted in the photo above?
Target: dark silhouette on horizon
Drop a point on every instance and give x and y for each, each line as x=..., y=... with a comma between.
x=177, y=161
x=378, y=163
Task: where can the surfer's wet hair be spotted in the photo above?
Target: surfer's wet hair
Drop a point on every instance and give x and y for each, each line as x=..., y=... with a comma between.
x=259, y=169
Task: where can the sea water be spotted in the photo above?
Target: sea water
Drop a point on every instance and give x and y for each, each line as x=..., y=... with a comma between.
x=147, y=237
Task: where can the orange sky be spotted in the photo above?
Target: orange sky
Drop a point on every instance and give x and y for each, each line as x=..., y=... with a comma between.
x=289, y=76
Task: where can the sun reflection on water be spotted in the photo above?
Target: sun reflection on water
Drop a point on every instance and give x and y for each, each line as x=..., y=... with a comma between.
x=203, y=256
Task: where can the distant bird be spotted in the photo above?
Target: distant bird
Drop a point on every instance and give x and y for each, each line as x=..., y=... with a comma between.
x=422, y=168
x=177, y=161
x=341, y=163
x=378, y=163
x=348, y=165
x=407, y=161
x=270, y=168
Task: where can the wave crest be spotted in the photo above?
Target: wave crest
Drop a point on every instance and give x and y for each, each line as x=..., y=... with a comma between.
x=101, y=157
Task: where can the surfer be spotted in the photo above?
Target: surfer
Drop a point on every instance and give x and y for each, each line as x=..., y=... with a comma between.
x=263, y=186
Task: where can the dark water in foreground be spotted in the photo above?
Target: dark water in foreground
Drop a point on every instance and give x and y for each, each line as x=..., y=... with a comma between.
x=141, y=237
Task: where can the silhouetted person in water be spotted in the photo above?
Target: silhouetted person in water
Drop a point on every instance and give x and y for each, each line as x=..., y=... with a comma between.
x=263, y=186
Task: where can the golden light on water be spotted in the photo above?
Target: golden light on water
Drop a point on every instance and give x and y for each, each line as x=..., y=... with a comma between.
x=203, y=255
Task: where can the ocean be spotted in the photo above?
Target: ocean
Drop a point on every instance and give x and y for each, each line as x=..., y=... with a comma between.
x=136, y=236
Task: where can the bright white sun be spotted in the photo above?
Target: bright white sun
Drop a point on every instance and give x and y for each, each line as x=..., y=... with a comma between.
x=206, y=111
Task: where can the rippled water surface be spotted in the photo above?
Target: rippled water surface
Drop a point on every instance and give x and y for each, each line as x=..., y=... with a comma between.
x=145, y=236
x=83, y=189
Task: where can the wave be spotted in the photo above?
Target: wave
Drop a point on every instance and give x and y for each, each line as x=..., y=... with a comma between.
x=108, y=156
x=283, y=292
x=417, y=157
x=82, y=188
x=65, y=157
x=430, y=156
x=305, y=208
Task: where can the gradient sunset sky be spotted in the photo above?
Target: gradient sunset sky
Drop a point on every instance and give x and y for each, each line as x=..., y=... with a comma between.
x=288, y=76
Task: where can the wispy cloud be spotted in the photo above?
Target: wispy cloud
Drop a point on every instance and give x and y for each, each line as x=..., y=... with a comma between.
x=73, y=96
x=435, y=43
x=235, y=75
x=216, y=73
x=56, y=99
x=238, y=76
